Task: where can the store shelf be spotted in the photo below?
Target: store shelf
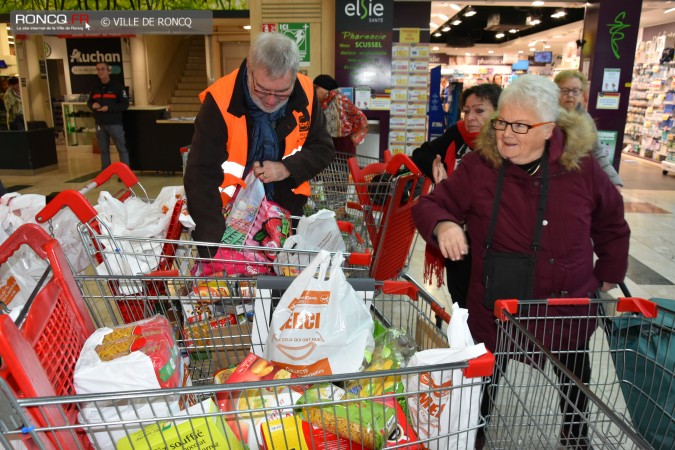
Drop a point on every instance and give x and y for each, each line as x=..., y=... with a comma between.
x=79, y=125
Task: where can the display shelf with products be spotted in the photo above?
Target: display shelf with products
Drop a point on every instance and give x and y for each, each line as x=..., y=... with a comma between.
x=79, y=124
x=649, y=120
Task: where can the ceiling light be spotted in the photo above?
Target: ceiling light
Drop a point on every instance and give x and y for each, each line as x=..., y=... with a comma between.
x=538, y=3
x=513, y=31
x=446, y=29
x=455, y=7
x=533, y=20
x=467, y=54
x=533, y=43
x=469, y=12
x=456, y=22
x=499, y=35
x=435, y=49
x=491, y=51
x=559, y=13
x=532, y=49
x=443, y=17
x=668, y=10
x=547, y=45
x=247, y=27
x=433, y=25
x=520, y=51
x=438, y=34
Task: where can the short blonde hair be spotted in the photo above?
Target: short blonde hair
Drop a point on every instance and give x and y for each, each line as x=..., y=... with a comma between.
x=567, y=74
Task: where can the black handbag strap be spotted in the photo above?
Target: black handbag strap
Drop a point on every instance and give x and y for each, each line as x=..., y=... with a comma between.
x=541, y=207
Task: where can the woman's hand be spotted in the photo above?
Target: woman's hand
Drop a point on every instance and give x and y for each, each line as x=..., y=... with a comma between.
x=451, y=240
x=438, y=169
x=607, y=286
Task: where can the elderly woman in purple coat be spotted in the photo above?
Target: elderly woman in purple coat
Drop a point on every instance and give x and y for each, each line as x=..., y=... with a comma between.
x=536, y=205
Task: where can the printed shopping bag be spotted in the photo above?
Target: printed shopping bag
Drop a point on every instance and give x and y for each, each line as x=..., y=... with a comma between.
x=321, y=325
x=442, y=412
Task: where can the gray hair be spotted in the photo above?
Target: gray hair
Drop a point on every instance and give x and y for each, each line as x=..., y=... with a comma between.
x=534, y=93
x=275, y=54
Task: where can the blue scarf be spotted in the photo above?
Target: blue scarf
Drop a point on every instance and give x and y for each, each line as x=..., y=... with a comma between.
x=264, y=144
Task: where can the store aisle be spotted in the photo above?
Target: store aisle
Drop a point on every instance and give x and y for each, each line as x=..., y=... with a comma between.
x=649, y=198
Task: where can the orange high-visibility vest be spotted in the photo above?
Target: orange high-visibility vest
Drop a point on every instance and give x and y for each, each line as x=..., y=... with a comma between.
x=237, y=133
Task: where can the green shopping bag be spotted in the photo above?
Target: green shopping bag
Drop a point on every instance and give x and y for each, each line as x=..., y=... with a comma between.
x=644, y=356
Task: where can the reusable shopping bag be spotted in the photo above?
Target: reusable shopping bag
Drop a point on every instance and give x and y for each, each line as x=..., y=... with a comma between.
x=320, y=231
x=447, y=411
x=650, y=344
x=253, y=221
x=321, y=325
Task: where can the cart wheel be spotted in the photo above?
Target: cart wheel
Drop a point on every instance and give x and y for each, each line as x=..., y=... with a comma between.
x=665, y=172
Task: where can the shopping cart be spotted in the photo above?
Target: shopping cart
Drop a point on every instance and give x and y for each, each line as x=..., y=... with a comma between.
x=41, y=410
x=575, y=398
x=98, y=239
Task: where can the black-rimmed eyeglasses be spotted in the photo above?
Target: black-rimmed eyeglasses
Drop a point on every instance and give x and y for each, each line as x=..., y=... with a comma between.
x=520, y=128
x=575, y=92
x=264, y=94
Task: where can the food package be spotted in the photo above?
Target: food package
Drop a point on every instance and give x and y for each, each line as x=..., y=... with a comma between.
x=198, y=433
x=247, y=425
x=139, y=355
x=292, y=432
x=364, y=422
x=221, y=339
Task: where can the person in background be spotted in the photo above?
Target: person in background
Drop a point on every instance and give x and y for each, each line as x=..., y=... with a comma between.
x=573, y=84
x=108, y=100
x=536, y=205
x=14, y=105
x=263, y=117
x=437, y=159
x=497, y=79
x=346, y=123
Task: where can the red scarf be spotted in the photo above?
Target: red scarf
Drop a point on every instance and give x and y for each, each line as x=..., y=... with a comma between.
x=434, y=262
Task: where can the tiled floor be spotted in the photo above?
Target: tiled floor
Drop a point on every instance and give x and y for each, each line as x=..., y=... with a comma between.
x=649, y=198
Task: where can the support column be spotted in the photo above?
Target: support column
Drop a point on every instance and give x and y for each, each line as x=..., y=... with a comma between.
x=139, y=77
x=609, y=41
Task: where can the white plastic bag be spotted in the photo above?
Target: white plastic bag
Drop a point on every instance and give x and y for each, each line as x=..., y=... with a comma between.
x=453, y=410
x=319, y=231
x=321, y=325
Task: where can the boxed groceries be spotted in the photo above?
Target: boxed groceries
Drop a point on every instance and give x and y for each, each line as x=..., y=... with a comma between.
x=247, y=405
x=185, y=433
x=222, y=339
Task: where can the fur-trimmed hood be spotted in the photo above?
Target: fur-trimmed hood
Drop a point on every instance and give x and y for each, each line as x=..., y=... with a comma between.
x=574, y=130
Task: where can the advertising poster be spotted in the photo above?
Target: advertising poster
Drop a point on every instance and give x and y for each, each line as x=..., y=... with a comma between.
x=363, y=37
x=83, y=54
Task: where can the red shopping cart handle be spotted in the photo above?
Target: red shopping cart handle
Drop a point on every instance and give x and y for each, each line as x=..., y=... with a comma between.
x=119, y=169
x=27, y=234
x=482, y=366
x=74, y=200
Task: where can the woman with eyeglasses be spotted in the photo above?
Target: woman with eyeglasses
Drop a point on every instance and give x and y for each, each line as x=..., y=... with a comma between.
x=437, y=159
x=573, y=84
x=537, y=206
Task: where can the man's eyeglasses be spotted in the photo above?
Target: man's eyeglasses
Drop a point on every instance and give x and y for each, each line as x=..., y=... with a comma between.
x=575, y=92
x=264, y=94
x=520, y=128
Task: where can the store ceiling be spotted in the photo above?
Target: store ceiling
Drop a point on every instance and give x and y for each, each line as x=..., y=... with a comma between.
x=551, y=32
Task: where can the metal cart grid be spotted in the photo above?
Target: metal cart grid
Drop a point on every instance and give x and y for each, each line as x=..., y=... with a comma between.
x=54, y=417
x=536, y=400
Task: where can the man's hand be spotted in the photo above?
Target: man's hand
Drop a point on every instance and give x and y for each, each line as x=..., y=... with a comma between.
x=270, y=171
x=103, y=109
x=96, y=106
x=451, y=240
x=438, y=169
